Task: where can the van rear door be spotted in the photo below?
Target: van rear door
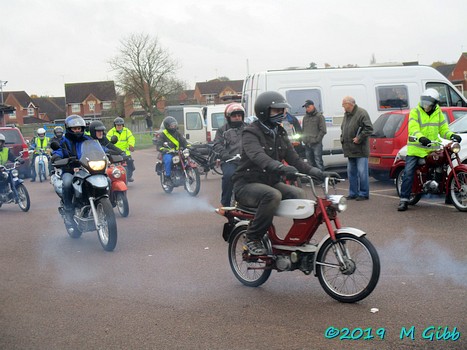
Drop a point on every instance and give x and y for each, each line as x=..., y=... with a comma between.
x=194, y=128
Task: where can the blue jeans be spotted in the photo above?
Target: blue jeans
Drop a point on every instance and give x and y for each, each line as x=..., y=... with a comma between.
x=167, y=159
x=314, y=155
x=67, y=191
x=407, y=181
x=228, y=170
x=266, y=199
x=357, y=172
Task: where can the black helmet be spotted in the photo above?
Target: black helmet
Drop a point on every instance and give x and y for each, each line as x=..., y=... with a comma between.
x=74, y=121
x=267, y=100
x=170, y=124
x=119, y=121
x=58, y=131
x=96, y=125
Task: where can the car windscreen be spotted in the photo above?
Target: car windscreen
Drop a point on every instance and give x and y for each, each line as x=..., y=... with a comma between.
x=12, y=137
x=387, y=125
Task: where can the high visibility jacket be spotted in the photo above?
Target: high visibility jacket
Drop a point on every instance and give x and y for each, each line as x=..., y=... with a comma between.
x=423, y=125
x=125, y=139
x=40, y=144
x=6, y=155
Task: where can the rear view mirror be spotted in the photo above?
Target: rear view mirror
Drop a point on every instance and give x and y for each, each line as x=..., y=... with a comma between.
x=114, y=139
x=55, y=145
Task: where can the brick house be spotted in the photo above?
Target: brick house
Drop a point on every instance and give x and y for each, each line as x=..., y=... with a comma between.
x=50, y=109
x=24, y=108
x=92, y=99
x=457, y=73
x=214, y=91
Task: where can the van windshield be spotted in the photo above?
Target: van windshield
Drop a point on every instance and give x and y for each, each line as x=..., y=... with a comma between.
x=387, y=125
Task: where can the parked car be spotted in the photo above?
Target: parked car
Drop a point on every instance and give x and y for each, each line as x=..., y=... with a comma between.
x=16, y=142
x=390, y=134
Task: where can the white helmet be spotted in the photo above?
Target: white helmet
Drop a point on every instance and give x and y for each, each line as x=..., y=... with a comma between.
x=41, y=132
x=429, y=98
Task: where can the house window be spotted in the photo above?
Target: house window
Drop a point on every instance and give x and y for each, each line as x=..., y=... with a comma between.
x=137, y=104
x=91, y=105
x=75, y=108
x=30, y=112
x=106, y=105
x=210, y=98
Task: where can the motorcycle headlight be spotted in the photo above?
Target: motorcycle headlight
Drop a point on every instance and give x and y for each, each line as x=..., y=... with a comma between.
x=5, y=175
x=455, y=147
x=175, y=159
x=97, y=164
x=186, y=152
x=116, y=173
x=339, y=202
x=14, y=173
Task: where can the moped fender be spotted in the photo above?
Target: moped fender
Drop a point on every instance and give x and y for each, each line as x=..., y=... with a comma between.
x=119, y=186
x=350, y=230
x=99, y=181
x=395, y=167
x=228, y=228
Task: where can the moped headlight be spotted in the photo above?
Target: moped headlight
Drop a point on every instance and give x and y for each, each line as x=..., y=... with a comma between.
x=455, y=147
x=176, y=159
x=5, y=175
x=97, y=164
x=186, y=152
x=339, y=202
x=14, y=173
x=116, y=173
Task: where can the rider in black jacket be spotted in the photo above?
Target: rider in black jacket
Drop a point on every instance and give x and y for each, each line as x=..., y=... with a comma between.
x=257, y=180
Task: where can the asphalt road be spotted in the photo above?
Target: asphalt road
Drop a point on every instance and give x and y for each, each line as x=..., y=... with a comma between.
x=168, y=284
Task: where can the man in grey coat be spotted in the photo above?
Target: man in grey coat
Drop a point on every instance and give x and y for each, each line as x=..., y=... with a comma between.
x=356, y=128
x=314, y=129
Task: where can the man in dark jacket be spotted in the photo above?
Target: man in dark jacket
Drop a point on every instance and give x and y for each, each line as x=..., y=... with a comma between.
x=314, y=129
x=257, y=180
x=228, y=143
x=356, y=128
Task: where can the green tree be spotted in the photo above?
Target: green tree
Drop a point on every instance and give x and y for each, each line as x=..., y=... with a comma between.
x=146, y=71
x=313, y=65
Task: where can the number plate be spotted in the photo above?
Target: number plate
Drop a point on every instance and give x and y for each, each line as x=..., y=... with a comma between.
x=374, y=160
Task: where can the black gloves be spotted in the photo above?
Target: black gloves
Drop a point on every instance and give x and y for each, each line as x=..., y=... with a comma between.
x=424, y=141
x=288, y=171
x=331, y=174
x=456, y=138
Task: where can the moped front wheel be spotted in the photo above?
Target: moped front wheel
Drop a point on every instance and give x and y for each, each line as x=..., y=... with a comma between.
x=41, y=172
x=122, y=204
x=192, y=181
x=165, y=187
x=348, y=270
x=24, y=202
x=252, y=272
x=106, y=224
x=459, y=194
x=414, y=198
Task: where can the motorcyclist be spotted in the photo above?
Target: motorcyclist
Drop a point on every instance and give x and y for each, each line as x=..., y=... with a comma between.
x=5, y=156
x=40, y=142
x=228, y=143
x=70, y=146
x=97, y=132
x=58, y=134
x=257, y=180
x=170, y=141
x=426, y=124
x=125, y=141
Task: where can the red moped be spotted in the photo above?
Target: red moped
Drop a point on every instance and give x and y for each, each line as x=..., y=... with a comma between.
x=118, y=184
x=346, y=263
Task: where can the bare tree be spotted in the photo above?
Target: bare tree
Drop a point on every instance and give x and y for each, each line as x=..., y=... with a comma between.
x=373, y=59
x=145, y=70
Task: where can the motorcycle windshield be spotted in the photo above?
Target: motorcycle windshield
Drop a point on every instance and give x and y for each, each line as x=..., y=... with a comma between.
x=91, y=150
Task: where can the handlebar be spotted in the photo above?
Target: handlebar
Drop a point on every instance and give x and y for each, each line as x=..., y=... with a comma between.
x=235, y=157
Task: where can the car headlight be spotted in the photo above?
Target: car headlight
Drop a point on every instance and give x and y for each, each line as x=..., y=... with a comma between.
x=186, y=152
x=339, y=202
x=116, y=173
x=455, y=147
x=14, y=173
x=97, y=164
x=176, y=159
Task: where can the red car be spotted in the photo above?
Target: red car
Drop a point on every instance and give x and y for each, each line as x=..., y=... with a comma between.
x=16, y=142
x=390, y=134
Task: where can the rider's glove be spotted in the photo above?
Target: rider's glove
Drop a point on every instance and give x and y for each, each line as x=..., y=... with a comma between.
x=424, y=141
x=456, y=138
x=290, y=172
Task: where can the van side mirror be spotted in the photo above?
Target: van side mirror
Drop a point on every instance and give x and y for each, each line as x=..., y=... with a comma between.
x=114, y=139
x=54, y=145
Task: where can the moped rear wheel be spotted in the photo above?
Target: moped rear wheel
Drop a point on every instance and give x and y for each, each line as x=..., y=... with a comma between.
x=24, y=203
x=459, y=194
x=192, y=181
x=357, y=279
x=122, y=204
x=251, y=272
x=414, y=198
x=106, y=224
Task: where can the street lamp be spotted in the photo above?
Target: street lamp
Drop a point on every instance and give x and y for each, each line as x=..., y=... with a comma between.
x=2, y=83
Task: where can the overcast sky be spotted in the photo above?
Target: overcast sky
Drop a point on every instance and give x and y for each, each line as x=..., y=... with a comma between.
x=47, y=43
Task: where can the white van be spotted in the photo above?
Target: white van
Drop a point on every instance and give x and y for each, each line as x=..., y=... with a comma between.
x=214, y=119
x=377, y=89
x=190, y=120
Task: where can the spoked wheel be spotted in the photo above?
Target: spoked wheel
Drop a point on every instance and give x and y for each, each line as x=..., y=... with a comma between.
x=414, y=198
x=106, y=224
x=165, y=187
x=122, y=203
x=459, y=194
x=192, y=181
x=253, y=272
x=24, y=203
x=354, y=280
